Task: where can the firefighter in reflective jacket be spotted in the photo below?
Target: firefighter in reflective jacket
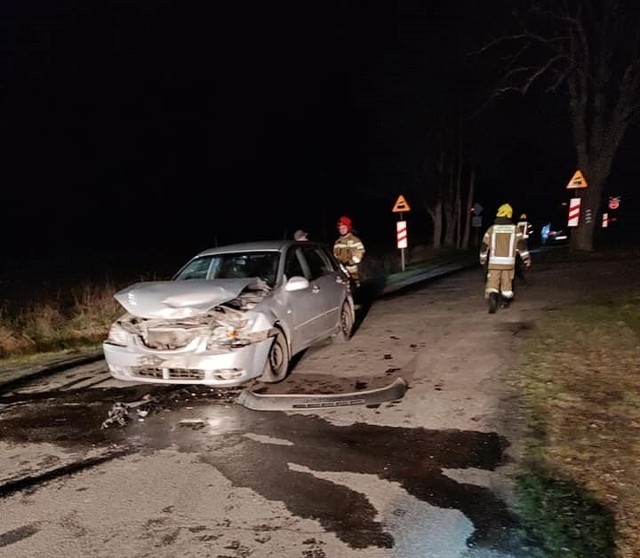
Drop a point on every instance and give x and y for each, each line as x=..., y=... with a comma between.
x=524, y=227
x=526, y=230
x=500, y=246
x=349, y=249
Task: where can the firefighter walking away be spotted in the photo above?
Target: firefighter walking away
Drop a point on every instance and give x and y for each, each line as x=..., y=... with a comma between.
x=501, y=245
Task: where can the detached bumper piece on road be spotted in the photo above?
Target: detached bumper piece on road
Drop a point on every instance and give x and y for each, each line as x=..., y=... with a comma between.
x=296, y=402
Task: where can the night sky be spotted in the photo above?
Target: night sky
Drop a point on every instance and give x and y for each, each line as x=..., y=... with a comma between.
x=165, y=126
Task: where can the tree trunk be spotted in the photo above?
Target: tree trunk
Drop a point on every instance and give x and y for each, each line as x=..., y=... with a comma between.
x=437, y=226
x=591, y=198
x=449, y=211
x=459, y=214
x=467, y=219
x=447, y=194
x=436, y=216
x=449, y=225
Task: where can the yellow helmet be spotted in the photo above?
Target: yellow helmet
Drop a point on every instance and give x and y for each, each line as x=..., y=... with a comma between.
x=505, y=210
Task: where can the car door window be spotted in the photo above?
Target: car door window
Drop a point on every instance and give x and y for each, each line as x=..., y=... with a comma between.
x=329, y=262
x=293, y=265
x=318, y=265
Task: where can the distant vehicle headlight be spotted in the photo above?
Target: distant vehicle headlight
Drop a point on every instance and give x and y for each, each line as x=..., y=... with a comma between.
x=117, y=335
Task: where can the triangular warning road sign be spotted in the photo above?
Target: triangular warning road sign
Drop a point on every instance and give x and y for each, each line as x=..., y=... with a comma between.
x=401, y=205
x=577, y=181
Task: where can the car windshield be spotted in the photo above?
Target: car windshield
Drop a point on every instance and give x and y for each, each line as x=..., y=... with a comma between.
x=232, y=266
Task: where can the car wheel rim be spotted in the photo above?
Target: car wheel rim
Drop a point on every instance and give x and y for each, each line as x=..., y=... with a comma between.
x=345, y=321
x=276, y=356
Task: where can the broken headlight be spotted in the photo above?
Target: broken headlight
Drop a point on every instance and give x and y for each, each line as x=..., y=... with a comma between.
x=230, y=333
x=223, y=337
x=117, y=335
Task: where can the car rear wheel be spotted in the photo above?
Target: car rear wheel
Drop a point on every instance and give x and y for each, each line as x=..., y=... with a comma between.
x=277, y=365
x=346, y=323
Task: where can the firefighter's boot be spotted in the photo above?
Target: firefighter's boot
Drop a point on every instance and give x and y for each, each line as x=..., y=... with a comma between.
x=493, y=303
x=505, y=302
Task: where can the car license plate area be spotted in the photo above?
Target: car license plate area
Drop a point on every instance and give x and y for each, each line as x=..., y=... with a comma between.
x=169, y=373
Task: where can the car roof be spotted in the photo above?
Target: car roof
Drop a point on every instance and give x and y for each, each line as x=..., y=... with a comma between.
x=257, y=246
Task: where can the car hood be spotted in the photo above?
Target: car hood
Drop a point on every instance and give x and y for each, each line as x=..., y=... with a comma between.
x=179, y=299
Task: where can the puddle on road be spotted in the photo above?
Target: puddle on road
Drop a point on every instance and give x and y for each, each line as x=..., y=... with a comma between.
x=74, y=418
x=414, y=458
x=267, y=444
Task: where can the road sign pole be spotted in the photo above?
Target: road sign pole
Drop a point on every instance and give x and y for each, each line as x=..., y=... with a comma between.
x=401, y=206
x=401, y=249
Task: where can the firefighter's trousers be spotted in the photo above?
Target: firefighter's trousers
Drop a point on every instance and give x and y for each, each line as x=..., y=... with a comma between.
x=354, y=273
x=500, y=281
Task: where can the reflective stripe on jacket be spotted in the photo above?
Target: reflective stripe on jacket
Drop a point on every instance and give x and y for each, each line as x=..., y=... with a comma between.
x=501, y=243
x=524, y=228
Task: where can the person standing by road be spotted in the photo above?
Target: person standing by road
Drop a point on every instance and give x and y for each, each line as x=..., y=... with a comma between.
x=525, y=227
x=526, y=230
x=500, y=246
x=349, y=249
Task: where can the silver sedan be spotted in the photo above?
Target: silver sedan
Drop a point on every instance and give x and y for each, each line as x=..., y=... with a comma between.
x=231, y=314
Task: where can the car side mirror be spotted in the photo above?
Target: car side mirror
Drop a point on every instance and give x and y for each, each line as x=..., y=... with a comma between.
x=296, y=283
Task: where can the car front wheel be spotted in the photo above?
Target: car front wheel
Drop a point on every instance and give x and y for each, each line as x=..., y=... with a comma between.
x=277, y=365
x=346, y=323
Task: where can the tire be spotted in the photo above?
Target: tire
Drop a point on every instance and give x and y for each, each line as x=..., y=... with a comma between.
x=493, y=303
x=346, y=323
x=276, y=368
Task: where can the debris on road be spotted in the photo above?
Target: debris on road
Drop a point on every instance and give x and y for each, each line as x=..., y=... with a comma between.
x=295, y=401
x=119, y=413
x=196, y=424
x=206, y=393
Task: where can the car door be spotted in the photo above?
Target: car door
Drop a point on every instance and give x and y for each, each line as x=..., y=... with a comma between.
x=328, y=288
x=304, y=308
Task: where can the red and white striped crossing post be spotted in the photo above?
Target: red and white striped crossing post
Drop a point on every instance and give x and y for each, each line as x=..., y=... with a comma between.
x=578, y=182
x=401, y=237
x=574, y=212
x=400, y=206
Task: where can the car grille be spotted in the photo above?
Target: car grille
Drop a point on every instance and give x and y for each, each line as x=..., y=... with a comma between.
x=172, y=373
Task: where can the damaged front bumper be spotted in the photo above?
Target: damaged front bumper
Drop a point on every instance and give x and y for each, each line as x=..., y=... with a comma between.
x=192, y=364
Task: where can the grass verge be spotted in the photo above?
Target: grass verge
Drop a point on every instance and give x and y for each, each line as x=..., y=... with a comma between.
x=577, y=492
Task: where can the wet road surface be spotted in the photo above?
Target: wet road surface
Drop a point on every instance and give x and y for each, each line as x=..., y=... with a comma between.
x=340, y=484
x=255, y=450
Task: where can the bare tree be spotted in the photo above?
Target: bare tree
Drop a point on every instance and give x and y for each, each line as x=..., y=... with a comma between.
x=467, y=210
x=446, y=193
x=431, y=182
x=590, y=51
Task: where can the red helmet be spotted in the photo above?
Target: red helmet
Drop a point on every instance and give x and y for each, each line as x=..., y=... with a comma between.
x=346, y=221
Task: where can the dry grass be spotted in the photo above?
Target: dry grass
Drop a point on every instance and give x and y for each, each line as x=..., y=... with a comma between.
x=67, y=303
x=581, y=381
x=81, y=318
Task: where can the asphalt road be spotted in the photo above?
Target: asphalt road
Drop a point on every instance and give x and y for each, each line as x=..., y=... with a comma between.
x=195, y=474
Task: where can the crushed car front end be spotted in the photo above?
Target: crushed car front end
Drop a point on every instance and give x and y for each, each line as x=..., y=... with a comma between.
x=171, y=343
